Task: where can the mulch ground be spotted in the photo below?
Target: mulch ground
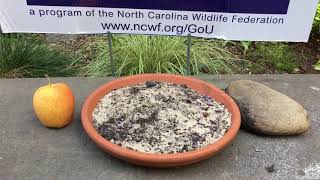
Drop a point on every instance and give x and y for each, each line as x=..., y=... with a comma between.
x=308, y=54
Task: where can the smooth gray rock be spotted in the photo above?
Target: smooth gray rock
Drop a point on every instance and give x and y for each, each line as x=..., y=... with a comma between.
x=267, y=111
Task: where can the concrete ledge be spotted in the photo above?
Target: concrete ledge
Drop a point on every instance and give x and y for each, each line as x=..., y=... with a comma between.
x=30, y=151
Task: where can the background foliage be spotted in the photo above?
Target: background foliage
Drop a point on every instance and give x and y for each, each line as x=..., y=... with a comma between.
x=158, y=54
x=26, y=56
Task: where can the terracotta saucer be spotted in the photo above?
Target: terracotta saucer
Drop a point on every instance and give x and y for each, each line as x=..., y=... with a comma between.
x=160, y=160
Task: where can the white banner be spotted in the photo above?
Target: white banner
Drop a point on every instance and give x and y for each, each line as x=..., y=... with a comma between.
x=253, y=20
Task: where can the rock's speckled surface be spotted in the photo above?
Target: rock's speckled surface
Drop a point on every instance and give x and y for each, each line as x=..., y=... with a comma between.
x=267, y=111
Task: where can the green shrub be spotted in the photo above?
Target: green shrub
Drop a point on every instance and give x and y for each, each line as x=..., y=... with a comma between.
x=316, y=24
x=25, y=56
x=157, y=54
x=275, y=56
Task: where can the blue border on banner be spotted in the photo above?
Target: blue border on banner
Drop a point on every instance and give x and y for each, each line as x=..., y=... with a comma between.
x=226, y=6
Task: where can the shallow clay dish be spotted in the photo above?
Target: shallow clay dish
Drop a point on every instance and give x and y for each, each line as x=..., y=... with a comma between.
x=160, y=160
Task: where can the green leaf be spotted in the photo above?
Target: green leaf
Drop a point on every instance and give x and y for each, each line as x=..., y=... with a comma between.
x=246, y=44
x=317, y=66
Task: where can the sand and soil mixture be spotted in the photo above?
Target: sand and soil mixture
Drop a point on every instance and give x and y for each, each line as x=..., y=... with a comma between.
x=161, y=118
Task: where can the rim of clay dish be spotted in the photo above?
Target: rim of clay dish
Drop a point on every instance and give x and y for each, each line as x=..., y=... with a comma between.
x=160, y=160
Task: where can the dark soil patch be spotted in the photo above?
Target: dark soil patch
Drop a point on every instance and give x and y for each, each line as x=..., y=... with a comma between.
x=271, y=168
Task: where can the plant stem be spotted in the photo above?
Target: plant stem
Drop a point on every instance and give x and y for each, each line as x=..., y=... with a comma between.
x=48, y=79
